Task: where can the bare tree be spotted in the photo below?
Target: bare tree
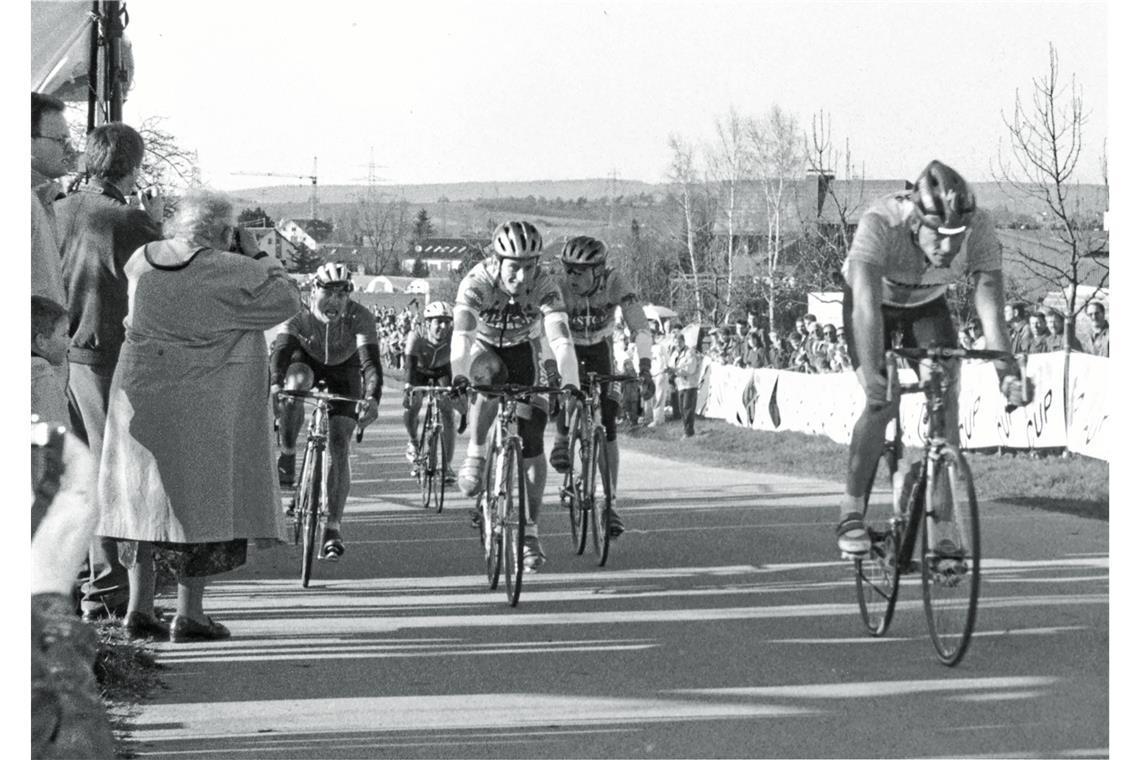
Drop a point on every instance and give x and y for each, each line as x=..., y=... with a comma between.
x=778, y=146
x=731, y=163
x=1046, y=139
x=683, y=176
x=829, y=239
x=380, y=222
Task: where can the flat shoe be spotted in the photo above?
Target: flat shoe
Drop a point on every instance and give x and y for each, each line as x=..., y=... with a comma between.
x=183, y=628
x=139, y=625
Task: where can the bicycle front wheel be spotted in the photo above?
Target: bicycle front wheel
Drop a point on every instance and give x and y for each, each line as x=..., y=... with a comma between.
x=310, y=504
x=600, y=502
x=513, y=511
x=429, y=472
x=951, y=555
x=877, y=574
x=492, y=529
x=572, y=493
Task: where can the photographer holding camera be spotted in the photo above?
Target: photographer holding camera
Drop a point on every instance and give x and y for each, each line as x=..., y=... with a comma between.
x=187, y=473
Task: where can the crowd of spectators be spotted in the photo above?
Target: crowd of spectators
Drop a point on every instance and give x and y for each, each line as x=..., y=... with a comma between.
x=809, y=346
x=393, y=328
x=1043, y=331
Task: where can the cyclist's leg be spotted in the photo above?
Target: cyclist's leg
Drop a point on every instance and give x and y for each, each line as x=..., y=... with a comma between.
x=447, y=418
x=411, y=420
x=865, y=449
x=344, y=380
x=483, y=411
x=933, y=326
x=292, y=417
x=559, y=450
x=534, y=467
x=610, y=407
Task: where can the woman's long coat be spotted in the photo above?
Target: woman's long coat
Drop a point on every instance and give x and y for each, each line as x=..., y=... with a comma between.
x=188, y=450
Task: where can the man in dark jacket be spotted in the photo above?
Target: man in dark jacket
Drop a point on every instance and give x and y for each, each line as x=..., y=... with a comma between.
x=99, y=230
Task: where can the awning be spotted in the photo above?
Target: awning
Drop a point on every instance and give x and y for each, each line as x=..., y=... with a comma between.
x=60, y=49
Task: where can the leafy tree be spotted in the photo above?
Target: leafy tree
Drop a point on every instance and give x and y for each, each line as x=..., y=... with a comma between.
x=255, y=217
x=421, y=226
x=304, y=261
x=420, y=269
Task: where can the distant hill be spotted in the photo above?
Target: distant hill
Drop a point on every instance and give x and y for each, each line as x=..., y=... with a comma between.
x=453, y=191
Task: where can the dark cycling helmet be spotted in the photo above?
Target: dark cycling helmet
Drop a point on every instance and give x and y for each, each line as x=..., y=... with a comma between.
x=945, y=201
x=584, y=251
x=333, y=273
x=517, y=240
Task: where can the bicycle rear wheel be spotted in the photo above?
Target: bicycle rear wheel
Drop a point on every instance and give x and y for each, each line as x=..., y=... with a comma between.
x=600, y=503
x=877, y=574
x=951, y=575
x=513, y=511
x=309, y=506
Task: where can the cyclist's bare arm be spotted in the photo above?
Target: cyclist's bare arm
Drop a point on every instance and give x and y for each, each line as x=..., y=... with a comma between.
x=463, y=339
x=866, y=282
x=989, y=300
x=634, y=316
x=557, y=327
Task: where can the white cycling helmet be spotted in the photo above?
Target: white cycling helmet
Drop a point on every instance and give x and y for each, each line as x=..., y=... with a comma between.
x=333, y=273
x=517, y=240
x=438, y=310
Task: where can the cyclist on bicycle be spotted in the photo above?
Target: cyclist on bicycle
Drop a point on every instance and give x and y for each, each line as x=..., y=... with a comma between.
x=428, y=361
x=505, y=305
x=592, y=293
x=336, y=338
x=908, y=249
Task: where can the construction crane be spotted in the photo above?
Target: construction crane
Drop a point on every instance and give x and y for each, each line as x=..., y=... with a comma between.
x=313, y=202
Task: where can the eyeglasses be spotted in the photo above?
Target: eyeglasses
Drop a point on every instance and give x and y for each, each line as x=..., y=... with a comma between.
x=64, y=141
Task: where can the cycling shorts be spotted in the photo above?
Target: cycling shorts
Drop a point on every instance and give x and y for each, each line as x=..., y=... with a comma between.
x=599, y=358
x=522, y=363
x=343, y=379
x=929, y=324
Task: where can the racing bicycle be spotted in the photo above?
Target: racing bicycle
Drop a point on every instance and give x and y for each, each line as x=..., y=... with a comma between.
x=429, y=466
x=504, y=510
x=934, y=497
x=589, y=463
x=309, y=502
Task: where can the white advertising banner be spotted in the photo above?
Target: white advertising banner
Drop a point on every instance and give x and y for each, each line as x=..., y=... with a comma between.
x=1088, y=405
x=703, y=385
x=730, y=394
x=764, y=409
x=829, y=405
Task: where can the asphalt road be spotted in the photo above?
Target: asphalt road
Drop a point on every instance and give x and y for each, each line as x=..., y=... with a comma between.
x=723, y=625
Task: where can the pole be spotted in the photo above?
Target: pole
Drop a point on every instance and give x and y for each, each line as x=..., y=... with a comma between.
x=313, y=196
x=93, y=69
x=113, y=90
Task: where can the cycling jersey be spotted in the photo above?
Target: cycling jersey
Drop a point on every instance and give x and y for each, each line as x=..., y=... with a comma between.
x=592, y=316
x=504, y=320
x=884, y=238
x=427, y=361
x=350, y=340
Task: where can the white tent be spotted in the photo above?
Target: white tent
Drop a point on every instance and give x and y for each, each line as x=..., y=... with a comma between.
x=380, y=284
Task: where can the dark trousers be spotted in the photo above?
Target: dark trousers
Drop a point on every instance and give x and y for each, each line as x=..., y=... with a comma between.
x=88, y=387
x=688, y=399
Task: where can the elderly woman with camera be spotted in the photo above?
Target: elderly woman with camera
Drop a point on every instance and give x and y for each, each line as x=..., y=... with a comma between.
x=186, y=476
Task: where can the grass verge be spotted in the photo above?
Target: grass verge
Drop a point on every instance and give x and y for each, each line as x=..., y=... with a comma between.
x=1074, y=485
x=127, y=672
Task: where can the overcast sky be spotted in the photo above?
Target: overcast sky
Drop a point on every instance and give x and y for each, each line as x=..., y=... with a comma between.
x=446, y=92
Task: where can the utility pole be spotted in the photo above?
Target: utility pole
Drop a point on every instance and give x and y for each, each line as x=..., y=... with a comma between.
x=113, y=68
x=612, y=194
x=313, y=197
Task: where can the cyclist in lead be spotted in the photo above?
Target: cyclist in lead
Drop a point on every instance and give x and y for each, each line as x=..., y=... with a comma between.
x=427, y=358
x=336, y=338
x=908, y=249
x=593, y=292
x=504, y=306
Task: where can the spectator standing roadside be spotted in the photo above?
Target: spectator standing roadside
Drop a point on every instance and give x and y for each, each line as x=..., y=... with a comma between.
x=1019, y=335
x=52, y=157
x=1038, y=335
x=1057, y=333
x=187, y=474
x=659, y=370
x=686, y=365
x=1098, y=335
x=49, y=352
x=99, y=231
x=777, y=356
x=755, y=356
